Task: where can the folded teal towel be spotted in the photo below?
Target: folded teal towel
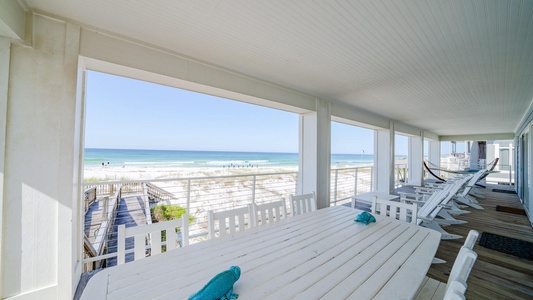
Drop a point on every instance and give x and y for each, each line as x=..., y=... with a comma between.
x=220, y=286
x=365, y=218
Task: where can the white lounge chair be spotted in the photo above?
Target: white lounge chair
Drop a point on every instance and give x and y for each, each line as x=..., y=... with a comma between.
x=439, y=204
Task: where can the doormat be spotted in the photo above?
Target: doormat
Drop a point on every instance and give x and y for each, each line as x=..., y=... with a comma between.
x=511, y=210
x=504, y=191
x=507, y=245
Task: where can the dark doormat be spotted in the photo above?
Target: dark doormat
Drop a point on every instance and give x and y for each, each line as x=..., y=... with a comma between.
x=507, y=245
x=504, y=191
x=512, y=210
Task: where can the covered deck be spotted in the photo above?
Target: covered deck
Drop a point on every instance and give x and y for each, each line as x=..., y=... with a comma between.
x=434, y=71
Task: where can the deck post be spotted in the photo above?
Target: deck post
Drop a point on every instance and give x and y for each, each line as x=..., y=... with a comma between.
x=315, y=150
x=383, y=176
x=415, y=158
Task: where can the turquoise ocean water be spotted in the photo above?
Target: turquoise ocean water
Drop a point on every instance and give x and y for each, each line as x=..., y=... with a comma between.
x=196, y=159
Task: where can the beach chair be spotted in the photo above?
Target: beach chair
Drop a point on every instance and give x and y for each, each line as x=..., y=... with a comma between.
x=464, y=197
x=229, y=221
x=432, y=214
x=269, y=212
x=152, y=234
x=302, y=204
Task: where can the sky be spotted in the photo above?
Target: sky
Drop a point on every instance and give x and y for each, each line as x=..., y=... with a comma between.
x=124, y=113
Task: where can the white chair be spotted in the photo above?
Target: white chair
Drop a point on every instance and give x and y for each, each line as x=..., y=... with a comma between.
x=456, y=291
x=462, y=266
x=469, y=243
x=396, y=210
x=433, y=289
x=302, y=204
x=471, y=239
x=139, y=234
x=269, y=212
x=230, y=221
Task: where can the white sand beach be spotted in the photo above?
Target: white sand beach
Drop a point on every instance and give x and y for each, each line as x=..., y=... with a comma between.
x=107, y=173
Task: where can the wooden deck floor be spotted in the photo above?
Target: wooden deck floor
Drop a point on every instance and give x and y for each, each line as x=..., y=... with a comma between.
x=495, y=275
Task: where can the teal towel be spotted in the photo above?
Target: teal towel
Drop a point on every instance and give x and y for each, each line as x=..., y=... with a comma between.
x=365, y=218
x=220, y=286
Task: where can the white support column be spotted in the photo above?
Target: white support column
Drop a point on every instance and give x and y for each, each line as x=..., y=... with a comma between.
x=415, y=158
x=384, y=160
x=41, y=164
x=5, y=53
x=315, y=151
x=434, y=157
x=474, y=155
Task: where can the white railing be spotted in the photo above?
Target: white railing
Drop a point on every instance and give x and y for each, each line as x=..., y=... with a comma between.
x=347, y=182
x=201, y=194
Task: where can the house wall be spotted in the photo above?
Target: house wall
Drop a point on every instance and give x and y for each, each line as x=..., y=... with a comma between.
x=38, y=250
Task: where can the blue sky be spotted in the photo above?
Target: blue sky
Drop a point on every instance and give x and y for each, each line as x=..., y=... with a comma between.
x=124, y=113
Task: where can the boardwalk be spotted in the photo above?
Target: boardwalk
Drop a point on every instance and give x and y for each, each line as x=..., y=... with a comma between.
x=131, y=212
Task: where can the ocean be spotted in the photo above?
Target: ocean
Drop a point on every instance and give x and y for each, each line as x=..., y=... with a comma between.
x=208, y=159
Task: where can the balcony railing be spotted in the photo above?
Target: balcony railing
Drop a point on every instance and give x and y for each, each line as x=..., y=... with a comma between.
x=200, y=194
x=347, y=182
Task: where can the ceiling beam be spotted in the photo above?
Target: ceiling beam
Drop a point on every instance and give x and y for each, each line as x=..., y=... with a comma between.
x=12, y=19
x=477, y=137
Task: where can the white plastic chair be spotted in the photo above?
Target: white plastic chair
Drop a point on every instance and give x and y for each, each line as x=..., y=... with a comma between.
x=139, y=234
x=471, y=239
x=456, y=291
x=433, y=289
x=396, y=210
x=269, y=212
x=462, y=266
x=230, y=221
x=302, y=204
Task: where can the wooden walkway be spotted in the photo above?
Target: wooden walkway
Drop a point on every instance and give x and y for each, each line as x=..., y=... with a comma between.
x=495, y=275
x=131, y=212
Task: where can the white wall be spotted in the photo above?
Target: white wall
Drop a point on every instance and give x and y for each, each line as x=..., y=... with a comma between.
x=39, y=254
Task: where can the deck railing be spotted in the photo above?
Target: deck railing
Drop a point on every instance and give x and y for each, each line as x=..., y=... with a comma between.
x=200, y=194
x=346, y=182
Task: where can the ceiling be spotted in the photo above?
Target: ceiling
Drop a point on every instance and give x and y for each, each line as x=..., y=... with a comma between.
x=454, y=67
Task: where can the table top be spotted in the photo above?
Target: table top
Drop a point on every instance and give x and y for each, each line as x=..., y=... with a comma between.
x=367, y=197
x=319, y=255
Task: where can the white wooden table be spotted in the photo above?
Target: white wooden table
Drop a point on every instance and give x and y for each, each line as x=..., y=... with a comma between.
x=367, y=197
x=320, y=255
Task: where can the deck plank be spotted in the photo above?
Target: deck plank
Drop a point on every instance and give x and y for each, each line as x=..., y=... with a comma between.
x=495, y=275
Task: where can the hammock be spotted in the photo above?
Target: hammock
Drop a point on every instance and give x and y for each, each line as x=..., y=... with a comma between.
x=492, y=165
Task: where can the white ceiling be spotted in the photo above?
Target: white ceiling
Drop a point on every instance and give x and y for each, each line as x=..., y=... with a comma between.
x=451, y=67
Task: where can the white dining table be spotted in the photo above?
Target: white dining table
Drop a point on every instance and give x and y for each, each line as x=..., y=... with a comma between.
x=324, y=254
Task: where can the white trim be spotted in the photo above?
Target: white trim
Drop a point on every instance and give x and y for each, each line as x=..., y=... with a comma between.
x=171, y=69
